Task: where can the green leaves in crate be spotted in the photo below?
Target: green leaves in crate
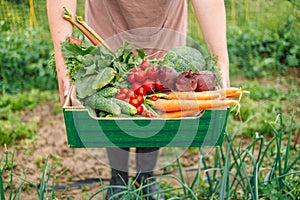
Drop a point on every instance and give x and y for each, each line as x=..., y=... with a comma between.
x=87, y=85
x=93, y=68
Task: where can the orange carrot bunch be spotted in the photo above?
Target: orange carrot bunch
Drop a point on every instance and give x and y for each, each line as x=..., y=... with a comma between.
x=183, y=104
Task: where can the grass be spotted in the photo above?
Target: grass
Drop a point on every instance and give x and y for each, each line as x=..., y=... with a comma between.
x=14, y=125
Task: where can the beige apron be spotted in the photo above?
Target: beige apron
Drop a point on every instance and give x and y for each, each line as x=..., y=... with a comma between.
x=154, y=25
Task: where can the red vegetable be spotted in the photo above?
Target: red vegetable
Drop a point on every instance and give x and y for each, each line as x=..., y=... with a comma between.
x=141, y=91
x=145, y=64
x=121, y=96
x=149, y=85
x=131, y=94
x=135, y=86
x=140, y=76
x=153, y=98
x=140, y=110
x=124, y=90
x=167, y=76
x=131, y=78
x=140, y=99
x=134, y=102
x=149, y=115
x=158, y=85
x=152, y=73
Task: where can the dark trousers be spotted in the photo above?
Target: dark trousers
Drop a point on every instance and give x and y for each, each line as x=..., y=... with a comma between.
x=146, y=159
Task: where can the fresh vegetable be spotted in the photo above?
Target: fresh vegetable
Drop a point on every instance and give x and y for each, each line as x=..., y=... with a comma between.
x=99, y=102
x=179, y=114
x=121, y=96
x=145, y=64
x=85, y=29
x=135, y=102
x=206, y=80
x=140, y=109
x=158, y=85
x=108, y=91
x=149, y=85
x=195, y=95
x=140, y=98
x=141, y=91
x=186, y=81
x=140, y=76
x=186, y=58
x=153, y=98
x=88, y=84
x=152, y=73
x=195, y=81
x=179, y=105
x=167, y=76
x=149, y=114
x=126, y=108
x=230, y=92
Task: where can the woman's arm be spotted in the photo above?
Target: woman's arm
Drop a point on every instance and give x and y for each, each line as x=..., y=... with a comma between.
x=60, y=29
x=211, y=16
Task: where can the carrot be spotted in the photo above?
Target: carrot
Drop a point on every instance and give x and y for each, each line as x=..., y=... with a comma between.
x=178, y=105
x=230, y=92
x=179, y=114
x=194, y=95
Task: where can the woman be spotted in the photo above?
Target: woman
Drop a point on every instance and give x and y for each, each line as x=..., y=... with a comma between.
x=154, y=25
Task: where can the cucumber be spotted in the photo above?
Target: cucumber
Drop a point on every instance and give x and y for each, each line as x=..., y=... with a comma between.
x=126, y=108
x=108, y=91
x=91, y=111
x=99, y=102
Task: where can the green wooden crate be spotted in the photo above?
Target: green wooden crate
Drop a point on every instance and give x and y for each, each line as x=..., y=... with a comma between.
x=83, y=131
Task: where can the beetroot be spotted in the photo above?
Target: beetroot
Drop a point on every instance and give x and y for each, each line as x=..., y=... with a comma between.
x=198, y=82
x=167, y=76
x=186, y=81
x=206, y=80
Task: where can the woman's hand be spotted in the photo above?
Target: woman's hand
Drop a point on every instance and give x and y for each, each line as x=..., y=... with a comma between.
x=62, y=77
x=63, y=86
x=224, y=74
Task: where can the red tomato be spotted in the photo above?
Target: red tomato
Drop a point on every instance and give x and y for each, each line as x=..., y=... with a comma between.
x=152, y=73
x=131, y=94
x=153, y=98
x=130, y=78
x=149, y=115
x=134, y=102
x=140, y=109
x=142, y=91
x=158, y=85
x=135, y=86
x=121, y=96
x=124, y=90
x=140, y=76
x=140, y=98
x=149, y=85
x=126, y=99
x=145, y=64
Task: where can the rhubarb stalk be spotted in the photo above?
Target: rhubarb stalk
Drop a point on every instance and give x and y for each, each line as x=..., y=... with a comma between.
x=85, y=29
